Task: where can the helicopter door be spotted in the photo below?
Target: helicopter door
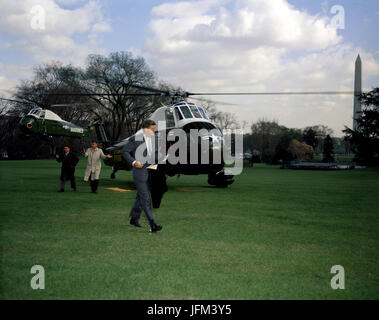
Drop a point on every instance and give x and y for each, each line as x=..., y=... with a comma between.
x=170, y=120
x=42, y=115
x=179, y=115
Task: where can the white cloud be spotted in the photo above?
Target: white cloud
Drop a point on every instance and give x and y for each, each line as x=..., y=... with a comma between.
x=10, y=75
x=248, y=24
x=257, y=45
x=56, y=40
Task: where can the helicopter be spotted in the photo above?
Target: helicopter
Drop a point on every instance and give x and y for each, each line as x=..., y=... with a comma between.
x=187, y=116
x=47, y=123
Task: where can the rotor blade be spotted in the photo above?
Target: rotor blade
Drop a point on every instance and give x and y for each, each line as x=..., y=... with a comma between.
x=104, y=94
x=163, y=92
x=70, y=105
x=268, y=93
x=11, y=100
x=62, y=105
x=188, y=94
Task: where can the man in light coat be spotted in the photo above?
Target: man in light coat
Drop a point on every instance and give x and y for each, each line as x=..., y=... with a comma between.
x=92, y=173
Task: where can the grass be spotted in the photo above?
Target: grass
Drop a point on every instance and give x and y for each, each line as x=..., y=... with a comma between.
x=274, y=234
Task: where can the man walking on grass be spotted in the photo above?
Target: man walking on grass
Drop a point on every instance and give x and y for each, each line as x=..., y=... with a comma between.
x=140, y=152
x=69, y=161
x=92, y=173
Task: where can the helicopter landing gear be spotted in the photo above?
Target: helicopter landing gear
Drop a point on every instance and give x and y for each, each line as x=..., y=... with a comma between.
x=220, y=179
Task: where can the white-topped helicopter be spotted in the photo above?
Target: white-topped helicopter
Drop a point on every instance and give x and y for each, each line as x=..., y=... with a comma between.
x=186, y=116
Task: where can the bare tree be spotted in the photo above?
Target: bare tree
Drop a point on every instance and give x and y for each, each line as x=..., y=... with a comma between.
x=4, y=109
x=114, y=78
x=100, y=90
x=4, y=106
x=266, y=135
x=54, y=84
x=320, y=130
x=223, y=120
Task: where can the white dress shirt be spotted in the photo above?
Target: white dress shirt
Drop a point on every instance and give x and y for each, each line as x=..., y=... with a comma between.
x=149, y=147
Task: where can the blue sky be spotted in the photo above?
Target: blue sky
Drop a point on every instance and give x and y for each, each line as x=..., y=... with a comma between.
x=210, y=45
x=362, y=21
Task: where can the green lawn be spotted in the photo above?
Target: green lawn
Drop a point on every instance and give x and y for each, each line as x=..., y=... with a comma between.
x=274, y=234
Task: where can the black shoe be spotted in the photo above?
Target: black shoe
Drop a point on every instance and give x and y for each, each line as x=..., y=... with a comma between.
x=155, y=228
x=135, y=223
x=61, y=190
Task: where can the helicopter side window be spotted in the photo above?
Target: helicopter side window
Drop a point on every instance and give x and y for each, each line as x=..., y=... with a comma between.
x=38, y=113
x=203, y=113
x=170, y=121
x=42, y=114
x=195, y=112
x=178, y=114
x=186, y=112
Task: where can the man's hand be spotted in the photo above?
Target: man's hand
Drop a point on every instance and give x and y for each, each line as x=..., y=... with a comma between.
x=109, y=156
x=138, y=164
x=57, y=156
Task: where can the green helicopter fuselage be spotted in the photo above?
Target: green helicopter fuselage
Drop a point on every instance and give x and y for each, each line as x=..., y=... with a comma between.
x=46, y=122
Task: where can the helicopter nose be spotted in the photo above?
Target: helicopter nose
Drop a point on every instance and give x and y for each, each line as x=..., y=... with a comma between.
x=26, y=123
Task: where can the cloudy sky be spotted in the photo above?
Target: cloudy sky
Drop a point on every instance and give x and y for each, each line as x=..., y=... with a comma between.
x=210, y=46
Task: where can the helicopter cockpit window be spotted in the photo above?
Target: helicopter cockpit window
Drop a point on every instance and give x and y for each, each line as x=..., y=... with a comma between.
x=186, y=112
x=170, y=121
x=35, y=111
x=203, y=113
x=195, y=112
x=178, y=114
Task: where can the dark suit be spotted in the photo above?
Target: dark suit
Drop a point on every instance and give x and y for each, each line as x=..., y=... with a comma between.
x=69, y=163
x=142, y=176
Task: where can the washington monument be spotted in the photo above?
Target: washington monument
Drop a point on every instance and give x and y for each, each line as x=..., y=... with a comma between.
x=357, y=91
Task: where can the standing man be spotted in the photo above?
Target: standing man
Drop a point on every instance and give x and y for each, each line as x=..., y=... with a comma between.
x=69, y=161
x=139, y=152
x=94, y=156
